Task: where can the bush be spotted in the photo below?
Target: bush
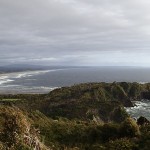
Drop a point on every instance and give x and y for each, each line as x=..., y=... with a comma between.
x=144, y=142
x=118, y=92
x=21, y=146
x=135, y=90
x=110, y=131
x=2, y=147
x=97, y=147
x=121, y=144
x=129, y=128
x=119, y=114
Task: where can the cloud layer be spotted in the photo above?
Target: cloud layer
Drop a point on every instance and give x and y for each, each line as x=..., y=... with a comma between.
x=75, y=32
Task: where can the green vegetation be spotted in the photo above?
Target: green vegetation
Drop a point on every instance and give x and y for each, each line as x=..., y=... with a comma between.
x=10, y=99
x=82, y=117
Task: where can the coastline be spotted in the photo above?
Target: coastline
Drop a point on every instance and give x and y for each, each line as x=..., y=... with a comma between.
x=42, y=90
x=18, y=89
x=19, y=72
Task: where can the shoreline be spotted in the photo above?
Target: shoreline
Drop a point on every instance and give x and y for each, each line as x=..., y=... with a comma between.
x=40, y=91
x=9, y=77
x=6, y=78
x=17, y=72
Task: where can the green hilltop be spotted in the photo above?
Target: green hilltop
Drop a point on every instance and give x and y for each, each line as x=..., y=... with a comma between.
x=87, y=116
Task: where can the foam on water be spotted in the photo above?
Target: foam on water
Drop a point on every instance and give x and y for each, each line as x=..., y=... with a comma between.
x=12, y=76
x=141, y=108
x=7, y=87
x=5, y=81
x=31, y=73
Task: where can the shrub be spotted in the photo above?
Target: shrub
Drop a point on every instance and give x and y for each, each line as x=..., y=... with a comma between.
x=118, y=92
x=135, y=90
x=110, y=131
x=121, y=144
x=144, y=142
x=21, y=146
x=129, y=128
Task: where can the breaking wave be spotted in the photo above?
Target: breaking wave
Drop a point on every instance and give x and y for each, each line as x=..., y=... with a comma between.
x=7, y=85
x=141, y=108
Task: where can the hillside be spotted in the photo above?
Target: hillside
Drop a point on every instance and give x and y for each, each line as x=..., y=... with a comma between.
x=86, y=116
x=16, y=130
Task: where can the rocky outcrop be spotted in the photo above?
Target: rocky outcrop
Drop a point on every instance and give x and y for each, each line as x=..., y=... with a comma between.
x=145, y=95
x=142, y=121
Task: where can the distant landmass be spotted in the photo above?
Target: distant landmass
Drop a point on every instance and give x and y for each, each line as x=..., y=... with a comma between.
x=27, y=67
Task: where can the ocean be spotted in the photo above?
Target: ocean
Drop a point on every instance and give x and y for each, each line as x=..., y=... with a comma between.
x=44, y=81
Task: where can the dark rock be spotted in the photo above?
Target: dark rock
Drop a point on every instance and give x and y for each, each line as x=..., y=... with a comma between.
x=127, y=102
x=142, y=121
x=145, y=95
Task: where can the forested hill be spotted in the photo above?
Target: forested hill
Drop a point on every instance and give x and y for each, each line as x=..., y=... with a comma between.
x=85, y=116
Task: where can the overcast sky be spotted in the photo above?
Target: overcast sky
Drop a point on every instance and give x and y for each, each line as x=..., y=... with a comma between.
x=75, y=32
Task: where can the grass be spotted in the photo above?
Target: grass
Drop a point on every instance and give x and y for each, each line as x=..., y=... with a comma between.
x=10, y=100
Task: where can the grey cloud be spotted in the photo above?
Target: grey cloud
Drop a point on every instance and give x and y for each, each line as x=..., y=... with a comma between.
x=33, y=29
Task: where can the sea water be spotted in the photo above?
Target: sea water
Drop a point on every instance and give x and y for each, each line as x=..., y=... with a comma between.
x=141, y=108
x=42, y=81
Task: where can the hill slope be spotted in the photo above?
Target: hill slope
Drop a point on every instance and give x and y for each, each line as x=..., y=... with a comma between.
x=86, y=117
